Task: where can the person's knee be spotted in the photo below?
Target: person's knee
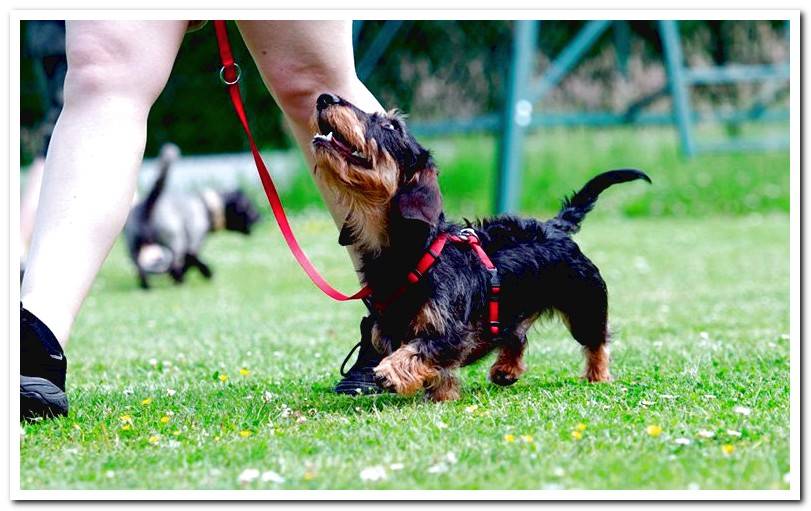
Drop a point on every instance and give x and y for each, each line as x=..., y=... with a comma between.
x=98, y=67
x=297, y=85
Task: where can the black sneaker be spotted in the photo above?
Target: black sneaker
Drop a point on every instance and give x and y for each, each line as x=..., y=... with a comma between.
x=42, y=370
x=360, y=379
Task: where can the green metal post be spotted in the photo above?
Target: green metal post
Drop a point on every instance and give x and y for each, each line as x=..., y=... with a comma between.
x=622, y=45
x=516, y=116
x=674, y=61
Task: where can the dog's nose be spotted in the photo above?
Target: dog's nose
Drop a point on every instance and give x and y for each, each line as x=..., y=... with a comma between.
x=325, y=100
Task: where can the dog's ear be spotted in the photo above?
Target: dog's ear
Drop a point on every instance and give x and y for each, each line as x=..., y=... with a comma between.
x=420, y=199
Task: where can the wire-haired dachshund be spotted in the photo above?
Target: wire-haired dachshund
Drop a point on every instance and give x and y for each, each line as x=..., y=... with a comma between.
x=442, y=320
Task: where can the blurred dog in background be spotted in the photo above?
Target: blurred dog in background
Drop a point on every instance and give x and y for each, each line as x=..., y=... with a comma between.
x=165, y=232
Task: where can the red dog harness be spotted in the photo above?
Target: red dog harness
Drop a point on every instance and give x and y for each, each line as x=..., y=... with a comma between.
x=230, y=74
x=467, y=237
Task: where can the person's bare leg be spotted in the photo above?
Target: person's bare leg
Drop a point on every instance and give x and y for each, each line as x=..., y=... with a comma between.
x=116, y=70
x=28, y=203
x=300, y=60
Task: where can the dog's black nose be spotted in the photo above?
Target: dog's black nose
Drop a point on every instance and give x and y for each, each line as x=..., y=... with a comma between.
x=325, y=100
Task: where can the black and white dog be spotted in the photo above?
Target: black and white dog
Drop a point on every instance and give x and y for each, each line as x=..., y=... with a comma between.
x=166, y=231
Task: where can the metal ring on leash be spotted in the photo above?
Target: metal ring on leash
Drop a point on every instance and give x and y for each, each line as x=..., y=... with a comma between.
x=237, y=70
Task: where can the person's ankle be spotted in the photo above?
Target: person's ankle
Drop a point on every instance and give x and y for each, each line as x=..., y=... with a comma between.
x=58, y=323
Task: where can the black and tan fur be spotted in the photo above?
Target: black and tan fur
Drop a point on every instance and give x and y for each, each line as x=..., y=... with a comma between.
x=389, y=184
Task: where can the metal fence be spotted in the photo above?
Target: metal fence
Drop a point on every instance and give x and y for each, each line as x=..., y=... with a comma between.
x=527, y=87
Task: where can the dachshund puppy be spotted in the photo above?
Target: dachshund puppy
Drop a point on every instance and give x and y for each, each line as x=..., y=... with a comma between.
x=431, y=322
x=165, y=232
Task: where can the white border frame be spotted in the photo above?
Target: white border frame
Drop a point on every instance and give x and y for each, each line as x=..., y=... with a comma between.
x=354, y=495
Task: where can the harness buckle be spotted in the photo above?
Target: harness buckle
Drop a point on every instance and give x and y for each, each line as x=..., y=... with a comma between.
x=495, y=282
x=237, y=74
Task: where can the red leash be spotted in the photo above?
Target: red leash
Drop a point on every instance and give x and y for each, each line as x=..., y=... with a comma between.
x=230, y=74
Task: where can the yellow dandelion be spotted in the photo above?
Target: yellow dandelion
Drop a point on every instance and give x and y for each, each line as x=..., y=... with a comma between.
x=126, y=427
x=154, y=439
x=223, y=377
x=471, y=408
x=176, y=432
x=580, y=427
x=244, y=372
x=727, y=449
x=245, y=433
x=147, y=401
x=509, y=438
x=527, y=438
x=653, y=430
x=126, y=418
x=309, y=475
x=165, y=419
x=76, y=427
x=577, y=435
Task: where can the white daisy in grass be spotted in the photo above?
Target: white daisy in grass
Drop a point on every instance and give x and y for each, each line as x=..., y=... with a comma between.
x=451, y=458
x=375, y=473
x=732, y=432
x=558, y=472
x=742, y=410
x=248, y=476
x=270, y=476
x=709, y=396
x=682, y=441
x=439, y=468
x=704, y=433
x=396, y=466
x=440, y=425
x=471, y=408
x=171, y=392
x=153, y=362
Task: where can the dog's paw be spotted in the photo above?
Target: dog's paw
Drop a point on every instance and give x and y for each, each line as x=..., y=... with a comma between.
x=389, y=378
x=506, y=374
x=443, y=387
x=503, y=378
x=402, y=372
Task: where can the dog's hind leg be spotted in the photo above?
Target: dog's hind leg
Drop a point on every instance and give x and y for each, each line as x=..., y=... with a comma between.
x=587, y=320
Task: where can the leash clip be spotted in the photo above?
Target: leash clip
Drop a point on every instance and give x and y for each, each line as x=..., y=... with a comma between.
x=469, y=235
x=237, y=73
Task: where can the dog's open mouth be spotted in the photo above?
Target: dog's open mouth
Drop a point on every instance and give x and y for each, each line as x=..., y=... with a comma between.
x=332, y=139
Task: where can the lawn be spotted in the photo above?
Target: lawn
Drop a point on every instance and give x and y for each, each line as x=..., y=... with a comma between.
x=189, y=387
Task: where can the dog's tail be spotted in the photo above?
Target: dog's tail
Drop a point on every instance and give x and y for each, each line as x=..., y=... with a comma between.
x=169, y=154
x=575, y=207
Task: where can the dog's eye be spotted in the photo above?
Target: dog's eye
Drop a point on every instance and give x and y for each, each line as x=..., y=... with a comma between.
x=388, y=126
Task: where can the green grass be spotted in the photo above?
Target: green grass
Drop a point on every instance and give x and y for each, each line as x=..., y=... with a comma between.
x=699, y=307
x=558, y=161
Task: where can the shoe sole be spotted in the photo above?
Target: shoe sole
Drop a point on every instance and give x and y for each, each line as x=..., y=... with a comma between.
x=41, y=398
x=358, y=388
